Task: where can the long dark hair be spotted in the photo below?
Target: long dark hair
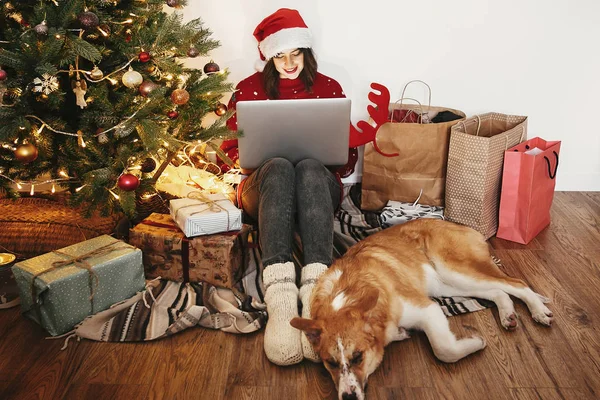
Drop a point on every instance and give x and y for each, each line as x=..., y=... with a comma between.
x=307, y=75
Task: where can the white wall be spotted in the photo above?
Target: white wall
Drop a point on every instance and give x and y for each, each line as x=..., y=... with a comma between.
x=527, y=57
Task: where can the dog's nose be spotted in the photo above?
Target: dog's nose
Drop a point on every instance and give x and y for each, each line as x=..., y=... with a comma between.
x=349, y=396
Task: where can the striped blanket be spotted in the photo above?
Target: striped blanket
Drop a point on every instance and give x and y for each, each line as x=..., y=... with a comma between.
x=166, y=308
x=351, y=225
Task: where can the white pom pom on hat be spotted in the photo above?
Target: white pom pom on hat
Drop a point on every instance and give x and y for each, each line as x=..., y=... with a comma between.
x=283, y=30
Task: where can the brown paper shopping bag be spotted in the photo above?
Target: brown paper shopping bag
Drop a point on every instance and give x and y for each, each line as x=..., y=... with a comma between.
x=475, y=160
x=420, y=165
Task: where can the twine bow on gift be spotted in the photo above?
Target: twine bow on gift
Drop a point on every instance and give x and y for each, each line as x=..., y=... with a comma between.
x=213, y=206
x=78, y=261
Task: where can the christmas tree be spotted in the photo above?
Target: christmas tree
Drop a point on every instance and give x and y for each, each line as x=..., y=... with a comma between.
x=94, y=96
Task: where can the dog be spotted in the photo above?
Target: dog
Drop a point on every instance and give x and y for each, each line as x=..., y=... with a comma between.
x=382, y=287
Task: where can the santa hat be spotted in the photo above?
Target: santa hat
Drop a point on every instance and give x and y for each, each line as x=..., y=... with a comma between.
x=283, y=30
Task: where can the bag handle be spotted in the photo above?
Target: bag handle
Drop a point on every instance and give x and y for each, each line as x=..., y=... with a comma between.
x=552, y=176
x=478, y=125
x=400, y=100
x=417, y=80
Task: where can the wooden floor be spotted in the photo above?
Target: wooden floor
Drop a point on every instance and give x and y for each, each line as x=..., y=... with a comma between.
x=533, y=362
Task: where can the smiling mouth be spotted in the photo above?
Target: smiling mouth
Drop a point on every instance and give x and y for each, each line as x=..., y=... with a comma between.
x=291, y=71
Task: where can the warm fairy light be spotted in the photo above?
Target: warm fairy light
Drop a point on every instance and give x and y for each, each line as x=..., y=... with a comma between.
x=7, y=146
x=58, y=36
x=193, y=150
x=148, y=196
x=135, y=140
x=116, y=196
x=135, y=167
x=79, y=188
x=53, y=190
x=32, y=191
x=169, y=77
x=19, y=186
x=82, y=143
x=102, y=31
x=113, y=81
x=63, y=174
x=166, y=144
x=41, y=128
x=208, y=93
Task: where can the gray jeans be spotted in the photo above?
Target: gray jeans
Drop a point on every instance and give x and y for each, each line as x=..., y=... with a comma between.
x=275, y=191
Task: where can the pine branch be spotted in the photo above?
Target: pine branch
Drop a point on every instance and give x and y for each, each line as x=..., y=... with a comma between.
x=12, y=60
x=83, y=49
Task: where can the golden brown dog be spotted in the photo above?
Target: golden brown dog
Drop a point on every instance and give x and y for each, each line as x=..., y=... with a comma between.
x=382, y=286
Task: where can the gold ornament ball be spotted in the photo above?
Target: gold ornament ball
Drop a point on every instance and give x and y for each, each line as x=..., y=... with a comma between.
x=26, y=153
x=221, y=109
x=180, y=96
x=132, y=79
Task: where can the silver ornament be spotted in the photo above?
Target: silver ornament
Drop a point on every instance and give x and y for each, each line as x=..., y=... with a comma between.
x=132, y=79
x=41, y=28
x=96, y=74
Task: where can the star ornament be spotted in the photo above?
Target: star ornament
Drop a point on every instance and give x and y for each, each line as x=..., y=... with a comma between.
x=47, y=85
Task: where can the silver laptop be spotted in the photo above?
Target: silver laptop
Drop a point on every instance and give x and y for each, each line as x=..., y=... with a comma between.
x=293, y=129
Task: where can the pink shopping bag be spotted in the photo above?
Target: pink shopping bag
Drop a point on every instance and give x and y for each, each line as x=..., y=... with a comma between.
x=528, y=182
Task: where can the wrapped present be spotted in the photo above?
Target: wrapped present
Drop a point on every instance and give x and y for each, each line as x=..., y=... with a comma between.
x=218, y=259
x=59, y=289
x=205, y=214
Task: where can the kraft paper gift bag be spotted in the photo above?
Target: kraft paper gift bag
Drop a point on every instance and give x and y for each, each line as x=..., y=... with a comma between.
x=475, y=160
x=420, y=165
x=528, y=184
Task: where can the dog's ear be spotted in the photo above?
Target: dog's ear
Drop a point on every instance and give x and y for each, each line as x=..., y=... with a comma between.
x=311, y=328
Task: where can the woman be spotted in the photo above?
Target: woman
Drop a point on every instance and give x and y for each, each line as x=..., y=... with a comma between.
x=276, y=190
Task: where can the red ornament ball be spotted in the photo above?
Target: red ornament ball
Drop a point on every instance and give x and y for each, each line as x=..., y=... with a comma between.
x=3, y=75
x=173, y=114
x=180, y=96
x=221, y=109
x=211, y=68
x=146, y=87
x=144, y=56
x=193, y=52
x=128, y=182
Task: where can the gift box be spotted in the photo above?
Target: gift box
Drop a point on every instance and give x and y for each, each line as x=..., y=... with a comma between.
x=218, y=259
x=59, y=289
x=205, y=214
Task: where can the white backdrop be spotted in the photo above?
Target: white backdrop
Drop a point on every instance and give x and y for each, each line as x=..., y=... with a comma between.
x=527, y=57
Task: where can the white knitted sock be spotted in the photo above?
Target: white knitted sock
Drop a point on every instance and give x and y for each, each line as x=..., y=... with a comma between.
x=282, y=341
x=308, y=279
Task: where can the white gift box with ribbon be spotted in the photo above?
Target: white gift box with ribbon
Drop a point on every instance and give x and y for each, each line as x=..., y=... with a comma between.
x=205, y=214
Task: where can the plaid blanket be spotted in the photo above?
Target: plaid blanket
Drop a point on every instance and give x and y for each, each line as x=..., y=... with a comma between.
x=351, y=225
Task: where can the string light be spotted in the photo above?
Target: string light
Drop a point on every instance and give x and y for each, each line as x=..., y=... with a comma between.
x=80, y=187
x=63, y=173
x=116, y=196
x=32, y=191
x=53, y=190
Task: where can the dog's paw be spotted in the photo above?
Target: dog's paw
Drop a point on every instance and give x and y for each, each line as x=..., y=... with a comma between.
x=543, y=316
x=510, y=322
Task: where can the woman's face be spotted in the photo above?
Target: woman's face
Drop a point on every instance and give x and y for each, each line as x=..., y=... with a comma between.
x=289, y=63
